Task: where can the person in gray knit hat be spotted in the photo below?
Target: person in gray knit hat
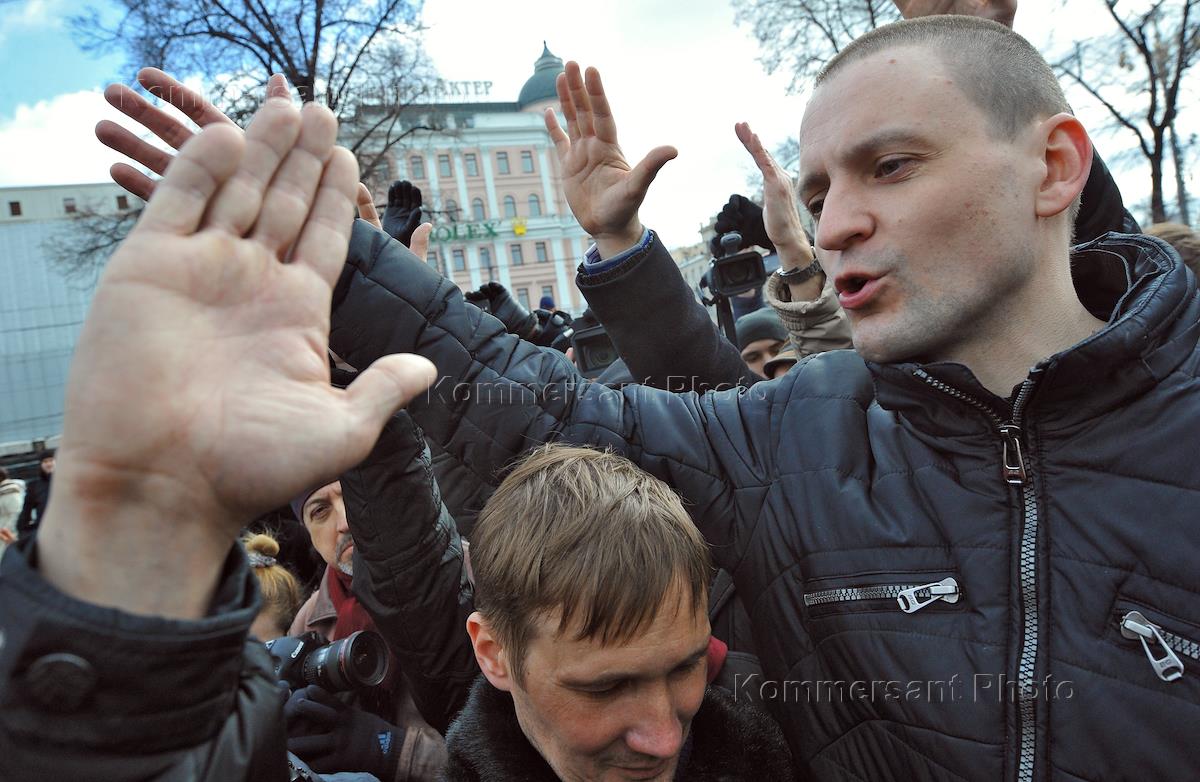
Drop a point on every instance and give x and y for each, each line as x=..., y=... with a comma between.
x=760, y=336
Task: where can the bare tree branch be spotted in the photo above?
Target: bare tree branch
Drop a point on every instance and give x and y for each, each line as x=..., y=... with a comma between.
x=1144, y=98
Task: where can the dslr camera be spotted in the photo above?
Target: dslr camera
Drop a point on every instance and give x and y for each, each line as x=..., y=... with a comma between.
x=735, y=272
x=356, y=662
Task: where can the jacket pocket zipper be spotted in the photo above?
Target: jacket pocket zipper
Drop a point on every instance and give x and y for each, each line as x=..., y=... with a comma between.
x=910, y=597
x=1162, y=647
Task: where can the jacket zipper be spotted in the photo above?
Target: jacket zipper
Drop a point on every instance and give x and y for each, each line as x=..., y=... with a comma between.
x=1015, y=472
x=910, y=597
x=1167, y=664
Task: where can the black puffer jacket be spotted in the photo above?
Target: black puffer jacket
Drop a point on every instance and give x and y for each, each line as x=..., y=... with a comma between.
x=93, y=693
x=728, y=742
x=827, y=491
x=409, y=569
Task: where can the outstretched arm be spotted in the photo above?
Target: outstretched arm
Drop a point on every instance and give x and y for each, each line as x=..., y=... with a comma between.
x=498, y=396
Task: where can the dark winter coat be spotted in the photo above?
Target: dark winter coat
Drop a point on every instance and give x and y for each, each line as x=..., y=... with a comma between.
x=410, y=572
x=829, y=491
x=728, y=741
x=97, y=694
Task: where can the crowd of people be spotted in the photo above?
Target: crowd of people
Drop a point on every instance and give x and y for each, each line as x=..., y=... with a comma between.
x=922, y=515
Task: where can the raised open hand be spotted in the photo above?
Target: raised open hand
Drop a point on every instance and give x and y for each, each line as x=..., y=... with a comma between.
x=199, y=395
x=1001, y=11
x=604, y=193
x=160, y=123
x=780, y=214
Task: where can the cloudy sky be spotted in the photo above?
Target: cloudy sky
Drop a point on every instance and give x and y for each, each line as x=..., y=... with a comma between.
x=678, y=72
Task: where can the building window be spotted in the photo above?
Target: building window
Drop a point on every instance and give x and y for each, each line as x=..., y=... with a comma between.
x=432, y=258
x=14, y=208
x=540, y=249
x=69, y=205
x=122, y=202
x=485, y=258
x=472, y=164
x=416, y=167
x=523, y=297
x=452, y=210
x=548, y=291
x=535, y=206
x=502, y=162
x=510, y=206
x=517, y=258
x=460, y=261
x=527, y=162
x=443, y=165
x=477, y=210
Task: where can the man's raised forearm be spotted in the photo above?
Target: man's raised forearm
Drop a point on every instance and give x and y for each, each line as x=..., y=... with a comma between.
x=498, y=396
x=643, y=303
x=410, y=571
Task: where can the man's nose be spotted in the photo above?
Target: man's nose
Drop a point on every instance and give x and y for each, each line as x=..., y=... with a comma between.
x=845, y=220
x=658, y=731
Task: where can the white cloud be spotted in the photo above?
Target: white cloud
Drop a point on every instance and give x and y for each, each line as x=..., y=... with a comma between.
x=30, y=15
x=52, y=142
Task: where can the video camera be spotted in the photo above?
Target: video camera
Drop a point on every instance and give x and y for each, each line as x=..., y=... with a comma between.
x=356, y=662
x=735, y=272
x=594, y=351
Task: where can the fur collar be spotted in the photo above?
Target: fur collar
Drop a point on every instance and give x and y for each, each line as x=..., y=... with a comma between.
x=728, y=741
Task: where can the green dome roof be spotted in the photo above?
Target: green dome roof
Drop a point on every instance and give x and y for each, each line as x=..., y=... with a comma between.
x=541, y=84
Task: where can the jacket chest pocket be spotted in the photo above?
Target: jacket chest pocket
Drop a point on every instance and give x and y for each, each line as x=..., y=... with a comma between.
x=900, y=593
x=1170, y=647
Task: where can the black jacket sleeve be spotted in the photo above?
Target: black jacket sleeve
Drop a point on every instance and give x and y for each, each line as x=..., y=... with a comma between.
x=497, y=396
x=95, y=693
x=409, y=569
x=659, y=328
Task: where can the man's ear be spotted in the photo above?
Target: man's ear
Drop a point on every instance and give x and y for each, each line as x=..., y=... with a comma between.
x=490, y=655
x=1068, y=160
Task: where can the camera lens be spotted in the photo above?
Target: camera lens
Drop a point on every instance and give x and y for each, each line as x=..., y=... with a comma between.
x=596, y=356
x=359, y=660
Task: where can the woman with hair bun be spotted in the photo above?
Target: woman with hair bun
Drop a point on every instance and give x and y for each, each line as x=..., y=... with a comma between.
x=280, y=590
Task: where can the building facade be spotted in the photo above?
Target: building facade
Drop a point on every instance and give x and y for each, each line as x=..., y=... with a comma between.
x=42, y=303
x=492, y=184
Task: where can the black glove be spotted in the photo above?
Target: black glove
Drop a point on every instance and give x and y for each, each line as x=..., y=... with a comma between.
x=494, y=298
x=330, y=736
x=403, y=213
x=746, y=217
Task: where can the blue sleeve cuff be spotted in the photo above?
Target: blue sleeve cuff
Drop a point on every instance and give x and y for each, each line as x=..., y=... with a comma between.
x=594, y=264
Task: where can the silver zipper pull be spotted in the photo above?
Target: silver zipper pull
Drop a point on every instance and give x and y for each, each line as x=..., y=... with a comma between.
x=1135, y=625
x=1014, y=462
x=915, y=598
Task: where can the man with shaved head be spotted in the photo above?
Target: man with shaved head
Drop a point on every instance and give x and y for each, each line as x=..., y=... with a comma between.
x=967, y=546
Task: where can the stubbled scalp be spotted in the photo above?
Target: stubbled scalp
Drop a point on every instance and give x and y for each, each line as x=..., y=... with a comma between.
x=998, y=70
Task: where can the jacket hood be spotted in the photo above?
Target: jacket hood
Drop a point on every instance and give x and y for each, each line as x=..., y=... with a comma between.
x=1148, y=298
x=10, y=486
